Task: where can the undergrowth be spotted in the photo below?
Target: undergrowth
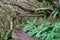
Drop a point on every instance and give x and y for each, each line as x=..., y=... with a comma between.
x=12, y=16
x=46, y=30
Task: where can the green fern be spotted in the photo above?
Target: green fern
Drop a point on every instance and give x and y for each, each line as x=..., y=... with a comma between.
x=45, y=32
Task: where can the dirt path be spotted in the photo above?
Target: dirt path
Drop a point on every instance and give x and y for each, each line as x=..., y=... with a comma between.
x=22, y=36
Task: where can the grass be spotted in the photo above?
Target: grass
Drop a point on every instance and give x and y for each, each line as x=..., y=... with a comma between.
x=10, y=18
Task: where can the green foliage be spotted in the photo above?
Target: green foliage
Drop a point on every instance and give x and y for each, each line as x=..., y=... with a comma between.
x=54, y=14
x=44, y=31
x=5, y=35
x=47, y=30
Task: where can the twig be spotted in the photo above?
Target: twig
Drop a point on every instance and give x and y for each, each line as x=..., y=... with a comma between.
x=11, y=23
